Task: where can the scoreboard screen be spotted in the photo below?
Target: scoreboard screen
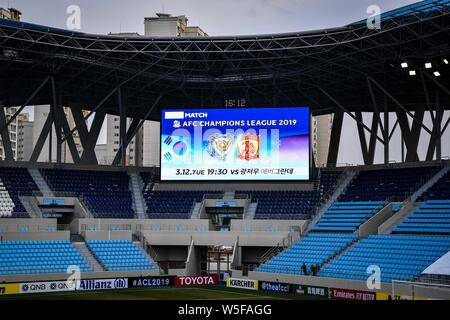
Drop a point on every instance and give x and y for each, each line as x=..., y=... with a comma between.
x=235, y=144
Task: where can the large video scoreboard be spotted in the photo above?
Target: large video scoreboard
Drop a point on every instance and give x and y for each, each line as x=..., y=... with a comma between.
x=235, y=144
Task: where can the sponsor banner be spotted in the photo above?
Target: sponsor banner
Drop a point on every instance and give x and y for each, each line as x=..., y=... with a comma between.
x=196, y=280
x=151, y=282
x=389, y=296
x=9, y=288
x=102, y=284
x=275, y=287
x=313, y=291
x=346, y=294
x=47, y=286
x=242, y=283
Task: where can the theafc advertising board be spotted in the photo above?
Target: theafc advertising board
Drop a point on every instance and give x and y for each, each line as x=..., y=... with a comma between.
x=186, y=281
x=235, y=144
x=278, y=287
x=242, y=283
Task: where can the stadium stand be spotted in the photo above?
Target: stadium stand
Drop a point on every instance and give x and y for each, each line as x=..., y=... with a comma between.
x=399, y=257
x=347, y=216
x=161, y=204
x=284, y=204
x=39, y=256
x=119, y=255
x=314, y=249
x=15, y=182
x=105, y=193
x=172, y=204
x=387, y=184
x=293, y=204
x=433, y=217
x=438, y=191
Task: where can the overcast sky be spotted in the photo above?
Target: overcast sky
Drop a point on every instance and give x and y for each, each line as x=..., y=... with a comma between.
x=225, y=17
x=216, y=17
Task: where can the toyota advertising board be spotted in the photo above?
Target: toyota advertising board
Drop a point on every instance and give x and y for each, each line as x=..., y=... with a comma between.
x=186, y=281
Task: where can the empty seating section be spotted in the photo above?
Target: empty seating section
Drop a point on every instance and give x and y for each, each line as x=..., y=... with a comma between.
x=293, y=204
x=172, y=204
x=15, y=182
x=439, y=190
x=328, y=182
x=39, y=256
x=433, y=217
x=284, y=204
x=117, y=255
x=105, y=193
x=387, y=184
x=314, y=249
x=399, y=257
x=347, y=216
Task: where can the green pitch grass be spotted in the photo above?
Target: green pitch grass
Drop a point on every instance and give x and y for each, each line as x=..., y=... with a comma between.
x=169, y=293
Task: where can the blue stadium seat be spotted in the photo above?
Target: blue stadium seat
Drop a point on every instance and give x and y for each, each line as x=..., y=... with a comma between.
x=314, y=249
x=398, y=257
x=39, y=256
x=347, y=216
x=105, y=193
x=116, y=255
x=15, y=182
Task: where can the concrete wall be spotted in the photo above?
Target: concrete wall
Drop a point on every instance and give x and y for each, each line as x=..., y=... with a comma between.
x=215, y=238
x=349, y=284
x=137, y=225
x=214, y=186
x=193, y=261
x=33, y=225
x=371, y=225
x=171, y=253
x=84, y=275
x=107, y=235
x=263, y=225
x=58, y=235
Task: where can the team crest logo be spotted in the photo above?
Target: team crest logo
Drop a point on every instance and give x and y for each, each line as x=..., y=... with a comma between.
x=176, y=124
x=219, y=145
x=248, y=146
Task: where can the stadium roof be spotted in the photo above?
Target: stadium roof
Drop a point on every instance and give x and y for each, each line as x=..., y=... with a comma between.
x=352, y=68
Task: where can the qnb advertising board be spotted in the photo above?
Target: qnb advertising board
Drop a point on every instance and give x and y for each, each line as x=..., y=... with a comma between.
x=235, y=144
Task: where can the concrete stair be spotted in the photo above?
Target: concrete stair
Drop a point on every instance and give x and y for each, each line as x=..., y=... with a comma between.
x=348, y=175
x=251, y=211
x=32, y=209
x=196, y=210
x=429, y=183
x=41, y=183
x=88, y=256
x=146, y=254
x=136, y=187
